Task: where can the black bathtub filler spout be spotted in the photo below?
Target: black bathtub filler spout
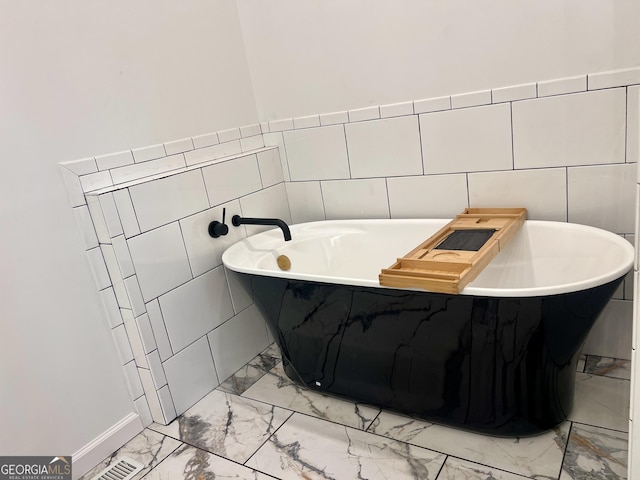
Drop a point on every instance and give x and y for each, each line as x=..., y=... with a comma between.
x=237, y=220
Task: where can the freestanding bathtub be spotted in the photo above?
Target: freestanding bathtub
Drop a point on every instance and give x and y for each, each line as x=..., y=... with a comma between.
x=498, y=358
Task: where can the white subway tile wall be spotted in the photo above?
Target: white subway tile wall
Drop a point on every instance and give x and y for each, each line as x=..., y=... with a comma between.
x=114, y=160
x=270, y=167
x=251, y=143
x=471, y=99
x=142, y=408
x=133, y=380
x=110, y=307
x=85, y=226
x=396, y=110
x=562, y=86
x=240, y=290
x=270, y=202
x=179, y=146
x=317, y=153
x=467, y=140
x=516, y=92
x=633, y=124
x=146, y=334
x=616, y=78
x=576, y=129
x=523, y=187
x=428, y=196
x=305, y=201
x=159, y=329
x=126, y=212
x=168, y=199
x=432, y=105
x=231, y=179
x=166, y=402
x=333, y=118
x=153, y=167
x=209, y=302
x=151, y=395
x=247, y=332
x=84, y=166
x=157, y=277
x=367, y=113
x=205, y=252
x=155, y=367
x=151, y=152
x=213, y=152
x=384, y=148
x=191, y=374
x=566, y=149
x=307, y=122
x=364, y=198
x=602, y=196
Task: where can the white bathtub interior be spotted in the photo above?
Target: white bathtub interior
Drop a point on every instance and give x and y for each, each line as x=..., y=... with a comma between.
x=543, y=258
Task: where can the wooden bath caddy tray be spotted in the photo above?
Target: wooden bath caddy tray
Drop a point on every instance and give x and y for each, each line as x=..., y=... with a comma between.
x=458, y=252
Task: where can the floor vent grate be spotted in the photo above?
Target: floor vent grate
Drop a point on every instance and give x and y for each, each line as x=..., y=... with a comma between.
x=124, y=469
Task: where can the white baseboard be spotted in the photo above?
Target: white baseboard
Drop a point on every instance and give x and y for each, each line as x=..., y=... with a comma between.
x=105, y=444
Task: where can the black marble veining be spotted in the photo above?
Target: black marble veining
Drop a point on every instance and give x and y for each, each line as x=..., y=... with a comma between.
x=504, y=366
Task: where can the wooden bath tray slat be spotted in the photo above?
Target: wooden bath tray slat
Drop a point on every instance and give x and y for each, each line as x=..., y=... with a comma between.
x=450, y=270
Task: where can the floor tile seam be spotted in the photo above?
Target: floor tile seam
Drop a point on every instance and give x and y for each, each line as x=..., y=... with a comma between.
x=265, y=442
x=167, y=456
x=372, y=433
x=592, y=375
x=317, y=417
x=350, y=427
x=607, y=376
x=291, y=412
x=373, y=421
x=583, y=424
x=441, y=468
x=169, y=435
x=450, y=455
x=566, y=448
x=491, y=467
x=185, y=443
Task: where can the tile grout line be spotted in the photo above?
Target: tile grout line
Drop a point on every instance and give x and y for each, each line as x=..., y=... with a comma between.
x=446, y=457
x=270, y=436
x=566, y=449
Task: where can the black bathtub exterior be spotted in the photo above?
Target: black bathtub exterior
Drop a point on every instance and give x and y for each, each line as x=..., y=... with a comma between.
x=503, y=366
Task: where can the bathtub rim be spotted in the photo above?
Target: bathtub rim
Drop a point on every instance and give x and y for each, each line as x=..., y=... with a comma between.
x=273, y=239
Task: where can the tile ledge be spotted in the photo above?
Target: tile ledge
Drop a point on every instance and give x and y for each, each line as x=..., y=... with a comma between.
x=176, y=171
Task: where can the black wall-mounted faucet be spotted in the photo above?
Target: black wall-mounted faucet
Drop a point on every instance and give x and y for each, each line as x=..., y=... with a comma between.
x=217, y=229
x=237, y=220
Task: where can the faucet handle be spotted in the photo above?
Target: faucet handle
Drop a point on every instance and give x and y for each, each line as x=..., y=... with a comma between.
x=217, y=229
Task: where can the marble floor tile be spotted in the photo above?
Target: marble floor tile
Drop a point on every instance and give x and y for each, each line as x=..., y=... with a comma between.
x=608, y=367
x=273, y=351
x=536, y=457
x=192, y=463
x=309, y=448
x=277, y=389
x=595, y=453
x=601, y=401
x=249, y=374
x=582, y=361
x=227, y=425
x=456, y=469
x=148, y=448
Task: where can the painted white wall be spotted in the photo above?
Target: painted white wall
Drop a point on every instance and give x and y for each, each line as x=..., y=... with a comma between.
x=314, y=57
x=81, y=79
